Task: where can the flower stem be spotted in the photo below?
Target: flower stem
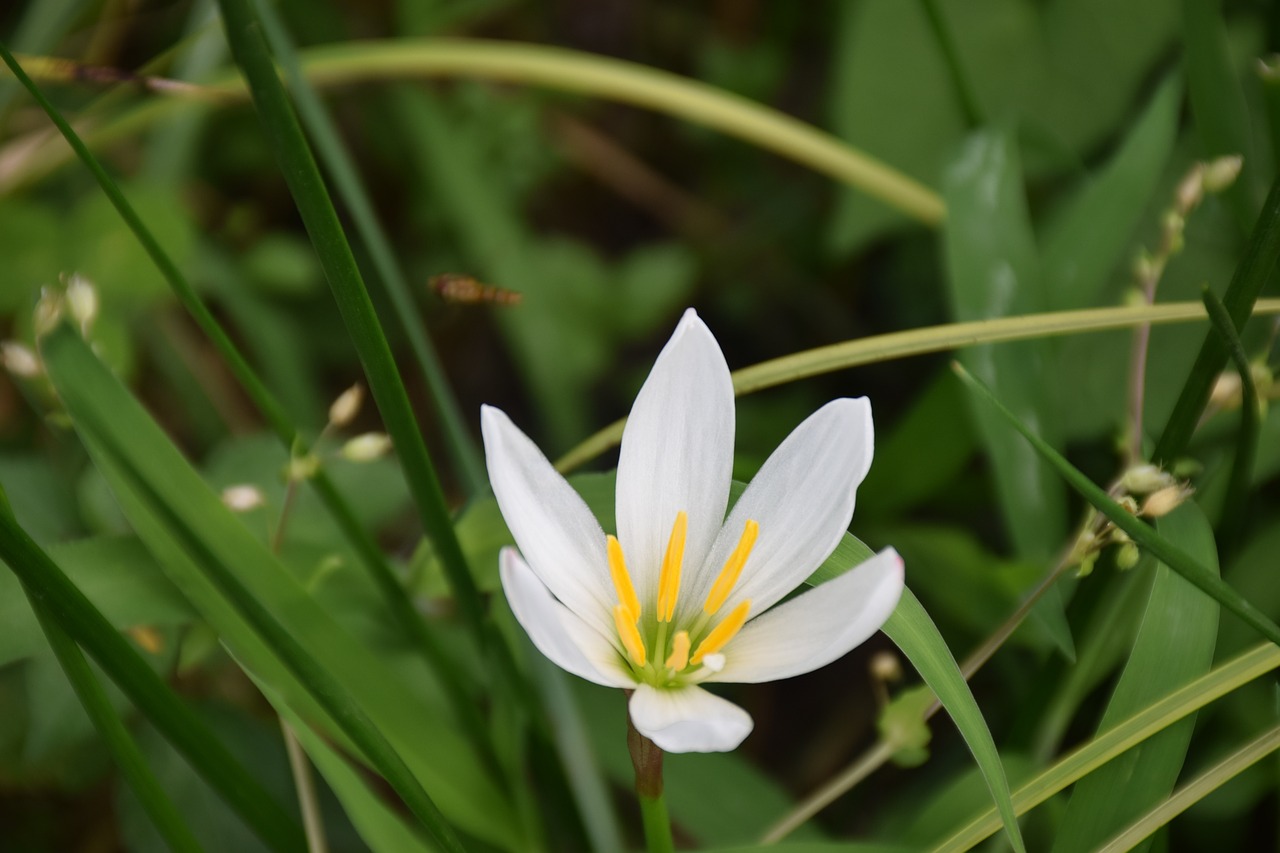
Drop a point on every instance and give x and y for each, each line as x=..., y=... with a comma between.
x=646, y=757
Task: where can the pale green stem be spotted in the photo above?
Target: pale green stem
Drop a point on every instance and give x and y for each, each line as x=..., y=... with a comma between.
x=308, y=803
x=657, y=824
x=596, y=76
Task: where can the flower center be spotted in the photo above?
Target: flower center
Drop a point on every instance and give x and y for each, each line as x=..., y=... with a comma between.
x=685, y=650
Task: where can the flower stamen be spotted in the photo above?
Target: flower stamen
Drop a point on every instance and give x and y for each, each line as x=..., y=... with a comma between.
x=622, y=578
x=732, y=568
x=669, y=578
x=679, y=657
x=629, y=634
x=724, y=632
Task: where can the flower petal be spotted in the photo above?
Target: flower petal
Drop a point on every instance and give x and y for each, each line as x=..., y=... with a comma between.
x=802, y=498
x=815, y=628
x=557, y=534
x=566, y=640
x=688, y=719
x=677, y=454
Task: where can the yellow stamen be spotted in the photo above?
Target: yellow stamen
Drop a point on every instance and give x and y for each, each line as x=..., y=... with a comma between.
x=622, y=578
x=724, y=632
x=669, y=577
x=629, y=634
x=679, y=658
x=732, y=568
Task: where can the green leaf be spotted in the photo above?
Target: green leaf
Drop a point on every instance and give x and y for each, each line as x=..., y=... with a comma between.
x=1174, y=645
x=1090, y=235
x=993, y=271
x=914, y=633
x=187, y=527
x=117, y=574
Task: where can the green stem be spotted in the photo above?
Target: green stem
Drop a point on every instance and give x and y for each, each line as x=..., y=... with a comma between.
x=346, y=178
x=1168, y=553
x=646, y=758
x=960, y=80
x=594, y=76
x=1234, y=506
x=283, y=132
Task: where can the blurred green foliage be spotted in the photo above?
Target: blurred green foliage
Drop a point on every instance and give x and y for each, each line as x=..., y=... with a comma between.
x=1084, y=118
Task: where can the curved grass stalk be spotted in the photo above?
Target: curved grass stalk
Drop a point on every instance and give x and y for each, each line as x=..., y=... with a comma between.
x=570, y=71
x=828, y=359
x=1215, y=684
x=1195, y=791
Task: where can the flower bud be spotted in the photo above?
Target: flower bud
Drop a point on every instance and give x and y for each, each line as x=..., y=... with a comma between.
x=48, y=311
x=82, y=301
x=886, y=667
x=367, y=447
x=242, y=498
x=302, y=467
x=347, y=406
x=1164, y=501
x=1227, y=390
x=1127, y=556
x=19, y=360
x=1144, y=479
x=1221, y=173
x=1186, y=196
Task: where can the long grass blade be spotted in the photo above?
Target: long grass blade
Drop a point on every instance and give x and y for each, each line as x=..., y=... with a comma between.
x=371, y=557
x=1253, y=271
x=321, y=220
x=346, y=179
x=1194, y=791
x=133, y=767
x=1168, y=553
x=60, y=599
x=949, y=336
x=1237, y=499
x=1156, y=717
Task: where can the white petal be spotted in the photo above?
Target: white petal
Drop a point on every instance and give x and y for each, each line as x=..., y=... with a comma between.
x=677, y=454
x=566, y=640
x=813, y=629
x=558, y=536
x=802, y=498
x=688, y=719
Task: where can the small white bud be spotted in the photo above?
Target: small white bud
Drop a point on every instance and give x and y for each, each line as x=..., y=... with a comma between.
x=345, y=408
x=48, y=311
x=19, y=360
x=886, y=667
x=1165, y=501
x=1144, y=479
x=1188, y=194
x=82, y=301
x=242, y=498
x=367, y=447
x=302, y=467
x=1222, y=173
x=1227, y=390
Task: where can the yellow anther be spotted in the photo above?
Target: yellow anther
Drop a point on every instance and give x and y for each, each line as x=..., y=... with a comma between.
x=724, y=632
x=629, y=634
x=679, y=657
x=669, y=578
x=732, y=568
x=622, y=578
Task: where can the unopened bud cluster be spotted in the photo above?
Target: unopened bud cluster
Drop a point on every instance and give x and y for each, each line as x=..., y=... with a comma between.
x=1144, y=490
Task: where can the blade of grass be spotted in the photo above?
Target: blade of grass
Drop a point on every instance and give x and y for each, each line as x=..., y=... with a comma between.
x=572, y=71
x=371, y=557
x=1168, y=553
x=1194, y=791
x=960, y=81
x=58, y=597
x=133, y=767
x=1217, y=100
x=1237, y=499
x=1175, y=644
x=1254, y=270
x=346, y=179
x=1156, y=717
x=321, y=220
x=949, y=336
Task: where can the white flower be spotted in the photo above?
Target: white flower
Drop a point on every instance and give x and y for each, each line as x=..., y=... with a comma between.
x=683, y=594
